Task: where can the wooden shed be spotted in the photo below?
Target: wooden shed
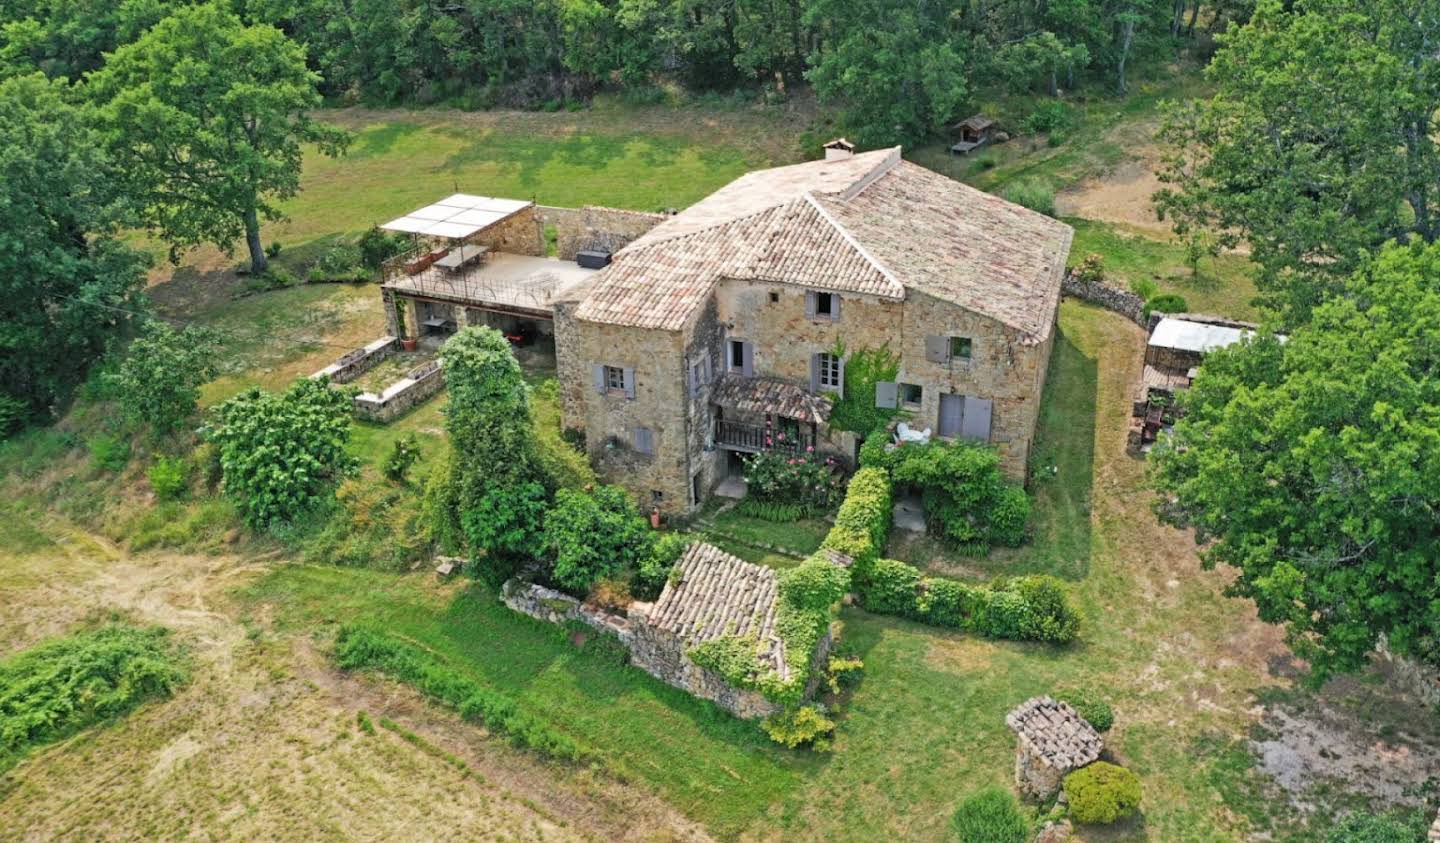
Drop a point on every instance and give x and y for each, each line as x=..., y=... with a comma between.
x=971, y=133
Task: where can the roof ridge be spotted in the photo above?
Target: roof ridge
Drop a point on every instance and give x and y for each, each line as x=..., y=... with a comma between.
x=642, y=245
x=855, y=244
x=886, y=165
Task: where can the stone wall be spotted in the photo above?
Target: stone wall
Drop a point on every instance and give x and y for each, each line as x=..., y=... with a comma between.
x=1410, y=675
x=592, y=227
x=418, y=384
x=356, y=363
x=518, y=234
x=1099, y=293
x=660, y=654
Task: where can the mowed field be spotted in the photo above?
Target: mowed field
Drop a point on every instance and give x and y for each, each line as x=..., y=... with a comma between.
x=268, y=741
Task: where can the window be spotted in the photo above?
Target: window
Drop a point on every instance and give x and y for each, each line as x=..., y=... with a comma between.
x=911, y=395
x=824, y=305
x=739, y=357
x=615, y=378
x=774, y=298
x=829, y=371
x=960, y=348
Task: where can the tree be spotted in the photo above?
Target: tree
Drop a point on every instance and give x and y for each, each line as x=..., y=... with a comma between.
x=68, y=38
x=493, y=492
x=281, y=454
x=206, y=117
x=1318, y=146
x=68, y=287
x=1313, y=467
x=160, y=377
x=593, y=536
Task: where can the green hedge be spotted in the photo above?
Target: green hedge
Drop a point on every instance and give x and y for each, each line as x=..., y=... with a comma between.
x=863, y=523
x=1032, y=608
x=361, y=648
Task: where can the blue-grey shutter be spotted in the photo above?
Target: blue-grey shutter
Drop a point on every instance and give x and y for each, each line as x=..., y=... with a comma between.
x=834, y=307
x=840, y=377
x=952, y=408
x=599, y=371
x=976, y=424
x=937, y=349
x=810, y=305
x=643, y=440
x=747, y=358
x=629, y=375
x=814, y=373
x=886, y=393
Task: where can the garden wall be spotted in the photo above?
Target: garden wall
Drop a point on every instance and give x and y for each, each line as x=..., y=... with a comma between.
x=1098, y=293
x=353, y=364
x=418, y=384
x=656, y=652
x=593, y=227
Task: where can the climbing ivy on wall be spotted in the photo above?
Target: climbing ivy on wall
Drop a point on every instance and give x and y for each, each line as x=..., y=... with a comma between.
x=855, y=411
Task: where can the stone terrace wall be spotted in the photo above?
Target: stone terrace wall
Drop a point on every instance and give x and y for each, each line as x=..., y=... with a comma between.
x=658, y=653
x=1123, y=302
x=355, y=363
x=592, y=227
x=418, y=384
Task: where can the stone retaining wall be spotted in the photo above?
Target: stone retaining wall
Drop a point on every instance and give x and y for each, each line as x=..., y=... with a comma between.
x=353, y=364
x=594, y=227
x=658, y=653
x=1410, y=675
x=1098, y=293
x=418, y=384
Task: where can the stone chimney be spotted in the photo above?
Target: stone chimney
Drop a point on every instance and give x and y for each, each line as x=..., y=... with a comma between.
x=839, y=148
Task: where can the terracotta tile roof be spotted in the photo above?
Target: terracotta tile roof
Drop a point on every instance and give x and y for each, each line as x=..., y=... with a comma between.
x=769, y=395
x=870, y=224
x=715, y=595
x=1055, y=732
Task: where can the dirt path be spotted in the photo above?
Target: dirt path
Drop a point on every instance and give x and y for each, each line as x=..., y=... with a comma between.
x=265, y=742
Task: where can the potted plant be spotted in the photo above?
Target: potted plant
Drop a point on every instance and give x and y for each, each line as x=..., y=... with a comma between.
x=407, y=342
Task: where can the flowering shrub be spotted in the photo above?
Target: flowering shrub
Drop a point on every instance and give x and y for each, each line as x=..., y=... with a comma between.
x=807, y=479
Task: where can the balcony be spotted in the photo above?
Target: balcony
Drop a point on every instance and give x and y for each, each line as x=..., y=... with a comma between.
x=754, y=438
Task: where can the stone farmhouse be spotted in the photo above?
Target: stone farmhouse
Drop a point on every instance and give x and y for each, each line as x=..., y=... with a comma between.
x=685, y=342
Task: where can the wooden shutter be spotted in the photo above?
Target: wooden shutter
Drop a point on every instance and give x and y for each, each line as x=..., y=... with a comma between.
x=886, y=394
x=747, y=358
x=952, y=409
x=840, y=376
x=976, y=423
x=810, y=307
x=937, y=349
x=814, y=373
x=599, y=372
x=644, y=440
x=834, y=307
x=629, y=375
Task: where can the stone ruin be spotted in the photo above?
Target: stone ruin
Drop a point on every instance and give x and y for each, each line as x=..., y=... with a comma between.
x=712, y=594
x=1052, y=740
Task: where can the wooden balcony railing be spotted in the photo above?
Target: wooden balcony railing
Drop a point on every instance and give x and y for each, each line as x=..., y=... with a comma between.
x=754, y=438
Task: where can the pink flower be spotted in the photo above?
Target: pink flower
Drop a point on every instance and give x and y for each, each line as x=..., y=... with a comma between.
x=809, y=449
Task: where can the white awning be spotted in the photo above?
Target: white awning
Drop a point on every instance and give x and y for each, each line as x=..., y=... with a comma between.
x=456, y=217
x=1200, y=337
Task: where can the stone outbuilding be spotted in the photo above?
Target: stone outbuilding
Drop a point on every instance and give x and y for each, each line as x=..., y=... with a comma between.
x=1052, y=740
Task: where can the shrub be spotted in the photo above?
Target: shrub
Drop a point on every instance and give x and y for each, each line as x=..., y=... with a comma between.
x=654, y=570
x=403, y=455
x=377, y=246
x=57, y=688
x=968, y=502
x=1008, y=515
x=843, y=672
x=944, y=602
x=342, y=262
x=504, y=521
x=158, y=381
x=1047, y=117
x=814, y=585
x=807, y=479
x=280, y=455
x=991, y=815
x=854, y=409
x=891, y=588
x=1032, y=608
x=802, y=726
x=1091, y=269
x=1095, y=710
x=863, y=522
x=1102, y=793
x=168, y=477
x=13, y=413
x=777, y=511
x=110, y=452
x=1034, y=194
x=1370, y=828
x=589, y=536
x=875, y=452
x=1166, y=303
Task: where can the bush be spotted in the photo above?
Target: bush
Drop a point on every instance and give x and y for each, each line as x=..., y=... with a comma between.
x=1008, y=515
x=875, y=452
x=1095, y=710
x=403, y=455
x=654, y=570
x=280, y=454
x=843, y=672
x=814, y=585
x=58, y=688
x=1370, y=828
x=1034, y=194
x=1032, y=608
x=1091, y=269
x=1102, y=793
x=1047, y=117
x=342, y=262
x=991, y=815
x=803, y=726
x=590, y=536
x=168, y=477
x=158, y=381
x=891, y=588
x=1023, y=609
x=968, y=502
x=1166, y=303
x=863, y=522
x=110, y=452
x=504, y=521
x=808, y=480
x=377, y=246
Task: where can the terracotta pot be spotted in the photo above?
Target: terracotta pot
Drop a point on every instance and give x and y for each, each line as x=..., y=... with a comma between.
x=409, y=344
x=655, y=518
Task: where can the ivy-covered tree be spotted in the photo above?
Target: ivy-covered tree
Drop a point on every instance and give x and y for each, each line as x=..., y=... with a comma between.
x=1313, y=467
x=492, y=494
x=159, y=379
x=592, y=536
x=1318, y=146
x=206, y=117
x=282, y=454
x=68, y=287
